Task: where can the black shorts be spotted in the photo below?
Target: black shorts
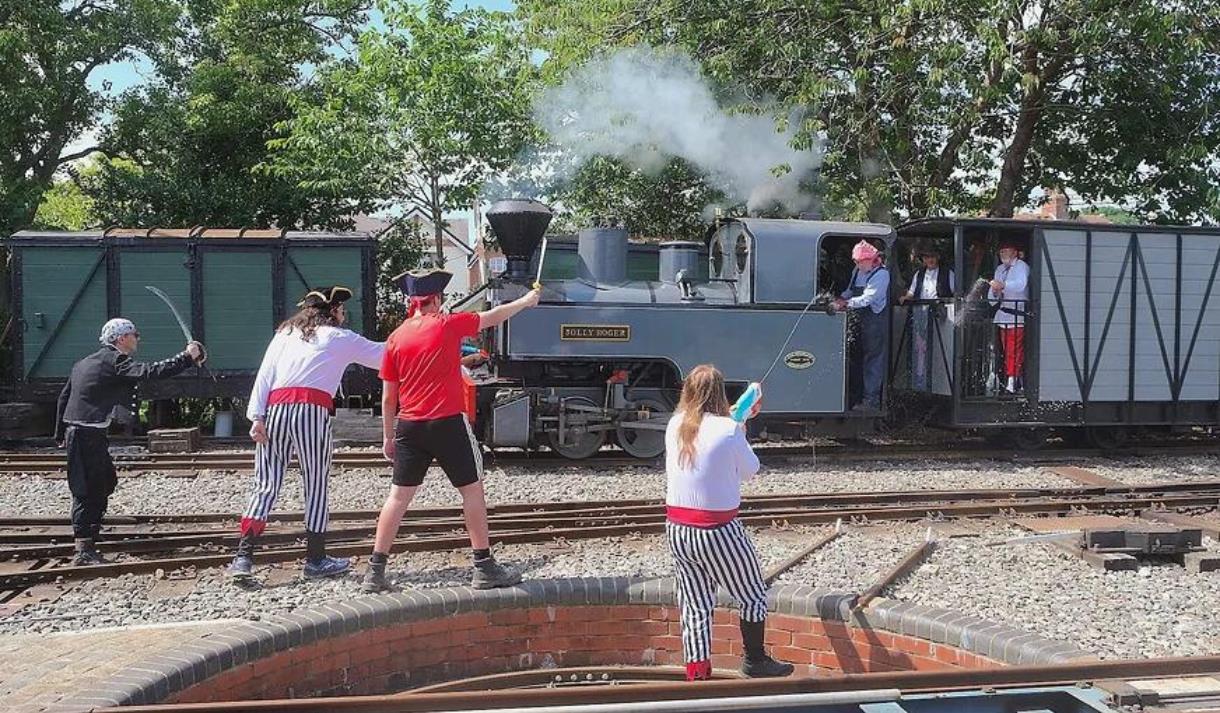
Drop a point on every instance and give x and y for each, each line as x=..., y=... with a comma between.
x=448, y=440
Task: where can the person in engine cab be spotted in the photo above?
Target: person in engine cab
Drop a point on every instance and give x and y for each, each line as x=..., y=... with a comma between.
x=707, y=457
x=1010, y=294
x=931, y=282
x=98, y=385
x=867, y=297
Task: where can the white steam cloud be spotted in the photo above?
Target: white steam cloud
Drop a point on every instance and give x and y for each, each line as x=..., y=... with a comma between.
x=645, y=106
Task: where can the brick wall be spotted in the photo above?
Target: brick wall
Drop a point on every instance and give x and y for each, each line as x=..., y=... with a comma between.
x=408, y=639
x=480, y=643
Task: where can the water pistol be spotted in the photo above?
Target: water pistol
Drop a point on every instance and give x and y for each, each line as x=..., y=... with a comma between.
x=745, y=402
x=468, y=349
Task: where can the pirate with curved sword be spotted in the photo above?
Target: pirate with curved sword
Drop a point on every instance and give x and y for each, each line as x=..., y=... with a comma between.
x=100, y=385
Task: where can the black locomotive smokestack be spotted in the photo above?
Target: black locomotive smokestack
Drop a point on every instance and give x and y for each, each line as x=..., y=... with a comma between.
x=519, y=224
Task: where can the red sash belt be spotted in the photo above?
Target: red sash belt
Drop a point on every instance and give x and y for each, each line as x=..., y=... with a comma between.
x=694, y=517
x=301, y=395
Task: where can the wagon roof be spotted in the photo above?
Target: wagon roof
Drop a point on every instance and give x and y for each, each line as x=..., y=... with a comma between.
x=197, y=233
x=946, y=224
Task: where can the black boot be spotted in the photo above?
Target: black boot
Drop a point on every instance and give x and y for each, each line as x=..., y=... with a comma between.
x=242, y=566
x=756, y=663
x=374, y=578
x=86, y=553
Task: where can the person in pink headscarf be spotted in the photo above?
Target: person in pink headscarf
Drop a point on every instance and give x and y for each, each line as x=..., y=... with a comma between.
x=867, y=297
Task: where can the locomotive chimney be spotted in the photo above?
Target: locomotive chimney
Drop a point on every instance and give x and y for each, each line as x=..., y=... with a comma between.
x=603, y=255
x=519, y=224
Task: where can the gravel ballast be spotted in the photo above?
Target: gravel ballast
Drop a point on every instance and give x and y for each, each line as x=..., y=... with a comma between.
x=366, y=489
x=135, y=599
x=1157, y=610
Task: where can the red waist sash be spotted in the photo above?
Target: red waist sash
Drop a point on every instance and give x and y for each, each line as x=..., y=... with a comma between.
x=694, y=517
x=301, y=395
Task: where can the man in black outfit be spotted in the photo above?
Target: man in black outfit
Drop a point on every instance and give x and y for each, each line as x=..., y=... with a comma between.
x=100, y=383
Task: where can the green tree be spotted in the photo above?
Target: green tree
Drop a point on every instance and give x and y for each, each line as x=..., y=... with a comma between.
x=434, y=103
x=48, y=52
x=667, y=205
x=198, y=131
x=928, y=107
x=65, y=207
x=399, y=249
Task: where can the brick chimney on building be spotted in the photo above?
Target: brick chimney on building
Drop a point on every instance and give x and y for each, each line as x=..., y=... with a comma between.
x=1057, y=207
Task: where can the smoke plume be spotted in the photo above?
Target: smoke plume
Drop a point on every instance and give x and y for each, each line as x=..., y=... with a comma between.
x=645, y=106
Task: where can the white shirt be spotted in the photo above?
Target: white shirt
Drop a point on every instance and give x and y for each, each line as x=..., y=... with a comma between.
x=316, y=364
x=723, y=459
x=927, y=291
x=1016, y=279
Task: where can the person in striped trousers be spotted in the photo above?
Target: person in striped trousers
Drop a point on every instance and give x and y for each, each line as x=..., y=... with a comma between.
x=290, y=408
x=707, y=457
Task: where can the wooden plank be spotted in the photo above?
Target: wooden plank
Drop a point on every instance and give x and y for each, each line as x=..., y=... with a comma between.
x=1084, y=476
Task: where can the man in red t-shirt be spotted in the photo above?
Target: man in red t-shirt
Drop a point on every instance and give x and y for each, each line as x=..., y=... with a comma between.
x=422, y=414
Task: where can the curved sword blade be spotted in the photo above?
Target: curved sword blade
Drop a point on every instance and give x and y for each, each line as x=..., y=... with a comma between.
x=186, y=330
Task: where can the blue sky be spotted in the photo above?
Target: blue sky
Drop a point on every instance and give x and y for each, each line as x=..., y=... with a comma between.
x=124, y=75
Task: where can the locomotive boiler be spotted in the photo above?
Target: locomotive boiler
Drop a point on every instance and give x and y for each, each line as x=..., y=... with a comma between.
x=602, y=357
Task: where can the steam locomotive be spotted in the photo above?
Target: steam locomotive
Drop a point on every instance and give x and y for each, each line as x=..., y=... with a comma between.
x=602, y=357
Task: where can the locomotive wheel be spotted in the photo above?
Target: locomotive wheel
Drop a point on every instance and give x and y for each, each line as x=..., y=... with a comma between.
x=579, y=445
x=643, y=443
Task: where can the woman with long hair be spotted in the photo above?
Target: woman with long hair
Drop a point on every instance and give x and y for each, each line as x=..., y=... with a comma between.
x=707, y=457
x=291, y=406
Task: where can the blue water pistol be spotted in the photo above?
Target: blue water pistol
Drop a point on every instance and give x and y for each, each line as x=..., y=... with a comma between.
x=745, y=402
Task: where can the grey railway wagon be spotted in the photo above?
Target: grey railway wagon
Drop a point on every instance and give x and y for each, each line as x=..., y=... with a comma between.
x=1123, y=326
x=232, y=286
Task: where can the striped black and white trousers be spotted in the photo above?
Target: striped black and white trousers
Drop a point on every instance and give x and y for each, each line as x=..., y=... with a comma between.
x=707, y=557
x=305, y=429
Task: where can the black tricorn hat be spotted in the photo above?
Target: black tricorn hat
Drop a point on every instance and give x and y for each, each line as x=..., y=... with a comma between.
x=421, y=283
x=924, y=248
x=325, y=296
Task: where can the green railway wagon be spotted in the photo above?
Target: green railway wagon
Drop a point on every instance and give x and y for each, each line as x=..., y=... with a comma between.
x=232, y=286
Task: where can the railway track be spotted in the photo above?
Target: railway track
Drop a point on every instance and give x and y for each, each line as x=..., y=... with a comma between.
x=243, y=461
x=35, y=549
x=833, y=691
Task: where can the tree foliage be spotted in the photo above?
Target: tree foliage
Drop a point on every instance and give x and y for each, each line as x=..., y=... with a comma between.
x=433, y=104
x=48, y=51
x=197, y=132
x=929, y=107
x=399, y=249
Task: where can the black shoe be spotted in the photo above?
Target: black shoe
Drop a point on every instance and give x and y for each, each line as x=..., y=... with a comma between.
x=490, y=574
x=766, y=667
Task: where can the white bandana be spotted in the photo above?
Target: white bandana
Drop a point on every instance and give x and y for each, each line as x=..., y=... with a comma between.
x=115, y=328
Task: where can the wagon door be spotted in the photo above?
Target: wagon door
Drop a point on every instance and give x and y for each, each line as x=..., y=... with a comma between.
x=309, y=264
x=63, y=302
x=164, y=264
x=238, y=287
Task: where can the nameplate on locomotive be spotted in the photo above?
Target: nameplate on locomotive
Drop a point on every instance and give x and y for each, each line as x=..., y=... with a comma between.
x=595, y=332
